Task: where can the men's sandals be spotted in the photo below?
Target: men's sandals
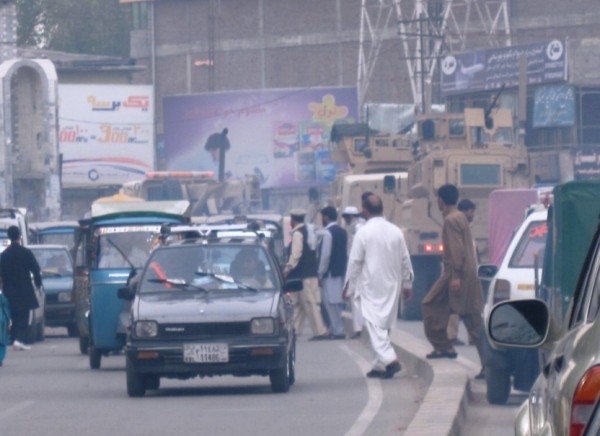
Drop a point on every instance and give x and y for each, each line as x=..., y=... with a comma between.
x=442, y=354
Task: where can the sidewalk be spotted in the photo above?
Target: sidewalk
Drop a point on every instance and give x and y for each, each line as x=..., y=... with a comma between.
x=442, y=411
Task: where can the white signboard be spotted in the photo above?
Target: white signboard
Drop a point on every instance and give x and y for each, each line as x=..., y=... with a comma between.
x=106, y=134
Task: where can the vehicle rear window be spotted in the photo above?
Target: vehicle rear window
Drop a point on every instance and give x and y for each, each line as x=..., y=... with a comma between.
x=532, y=243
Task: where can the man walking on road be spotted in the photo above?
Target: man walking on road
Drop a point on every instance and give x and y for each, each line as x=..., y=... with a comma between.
x=458, y=289
x=378, y=267
x=333, y=260
x=17, y=263
x=302, y=264
x=467, y=207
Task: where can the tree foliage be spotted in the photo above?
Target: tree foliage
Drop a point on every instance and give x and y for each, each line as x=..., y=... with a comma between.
x=76, y=26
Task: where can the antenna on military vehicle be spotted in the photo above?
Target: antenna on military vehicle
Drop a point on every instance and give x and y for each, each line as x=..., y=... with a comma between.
x=489, y=121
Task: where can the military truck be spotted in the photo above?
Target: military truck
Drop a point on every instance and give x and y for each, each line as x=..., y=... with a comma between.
x=476, y=151
x=370, y=161
x=207, y=195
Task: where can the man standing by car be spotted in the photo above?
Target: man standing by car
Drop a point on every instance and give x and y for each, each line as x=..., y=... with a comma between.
x=17, y=263
x=378, y=267
x=333, y=260
x=302, y=264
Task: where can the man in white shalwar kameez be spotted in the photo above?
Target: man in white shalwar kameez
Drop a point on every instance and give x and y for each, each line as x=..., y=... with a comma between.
x=378, y=268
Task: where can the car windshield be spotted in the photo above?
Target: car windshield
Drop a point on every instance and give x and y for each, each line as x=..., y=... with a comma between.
x=532, y=243
x=124, y=247
x=53, y=261
x=208, y=267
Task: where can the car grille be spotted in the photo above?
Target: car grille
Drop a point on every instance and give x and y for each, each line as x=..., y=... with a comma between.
x=202, y=330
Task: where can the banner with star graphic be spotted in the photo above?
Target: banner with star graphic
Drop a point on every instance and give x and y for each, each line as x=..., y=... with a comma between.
x=280, y=135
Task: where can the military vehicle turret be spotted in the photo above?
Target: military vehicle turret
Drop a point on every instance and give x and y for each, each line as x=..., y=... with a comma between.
x=476, y=151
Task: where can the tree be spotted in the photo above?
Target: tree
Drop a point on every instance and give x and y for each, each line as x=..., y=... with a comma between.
x=76, y=26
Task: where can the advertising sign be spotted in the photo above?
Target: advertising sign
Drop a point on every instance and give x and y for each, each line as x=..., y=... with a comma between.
x=106, y=134
x=281, y=136
x=554, y=106
x=483, y=70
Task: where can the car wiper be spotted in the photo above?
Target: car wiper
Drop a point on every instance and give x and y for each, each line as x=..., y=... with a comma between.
x=179, y=283
x=226, y=279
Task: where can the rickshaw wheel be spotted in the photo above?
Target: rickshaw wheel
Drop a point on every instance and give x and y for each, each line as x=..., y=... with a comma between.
x=95, y=357
x=136, y=383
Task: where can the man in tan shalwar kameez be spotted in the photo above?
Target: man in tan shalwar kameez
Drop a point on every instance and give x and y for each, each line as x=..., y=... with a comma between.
x=458, y=290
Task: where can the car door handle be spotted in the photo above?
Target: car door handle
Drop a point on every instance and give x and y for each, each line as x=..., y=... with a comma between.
x=559, y=363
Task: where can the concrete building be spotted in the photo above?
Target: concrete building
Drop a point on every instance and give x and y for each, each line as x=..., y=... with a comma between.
x=192, y=46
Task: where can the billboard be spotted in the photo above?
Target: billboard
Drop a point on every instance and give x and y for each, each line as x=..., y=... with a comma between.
x=483, y=70
x=279, y=135
x=106, y=134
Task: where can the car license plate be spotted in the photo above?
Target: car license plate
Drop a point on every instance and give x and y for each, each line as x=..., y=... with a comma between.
x=205, y=353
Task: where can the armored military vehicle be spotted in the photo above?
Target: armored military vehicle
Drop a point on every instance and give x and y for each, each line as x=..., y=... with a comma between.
x=372, y=162
x=476, y=151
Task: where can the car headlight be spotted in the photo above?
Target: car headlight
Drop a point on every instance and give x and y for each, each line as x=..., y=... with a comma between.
x=146, y=329
x=262, y=326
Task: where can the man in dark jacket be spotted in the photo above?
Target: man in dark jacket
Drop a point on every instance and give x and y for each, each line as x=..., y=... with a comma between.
x=302, y=264
x=333, y=260
x=17, y=263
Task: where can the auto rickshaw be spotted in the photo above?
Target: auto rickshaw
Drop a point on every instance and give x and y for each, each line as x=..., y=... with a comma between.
x=111, y=245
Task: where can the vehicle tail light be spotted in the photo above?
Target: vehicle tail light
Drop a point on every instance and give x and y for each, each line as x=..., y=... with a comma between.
x=583, y=400
x=501, y=290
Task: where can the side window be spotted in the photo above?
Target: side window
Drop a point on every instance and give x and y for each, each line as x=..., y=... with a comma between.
x=594, y=306
x=589, y=292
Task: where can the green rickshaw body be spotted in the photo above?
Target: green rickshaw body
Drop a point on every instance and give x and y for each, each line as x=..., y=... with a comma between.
x=572, y=222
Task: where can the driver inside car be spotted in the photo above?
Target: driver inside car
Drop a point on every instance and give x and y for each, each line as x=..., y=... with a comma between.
x=247, y=268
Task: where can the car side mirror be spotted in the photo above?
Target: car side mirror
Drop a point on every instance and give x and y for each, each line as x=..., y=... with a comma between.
x=519, y=323
x=293, y=285
x=487, y=271
x=126, y=294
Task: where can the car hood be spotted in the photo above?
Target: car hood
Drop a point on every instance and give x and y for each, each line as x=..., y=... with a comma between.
x=219, y=306
x=54, y=285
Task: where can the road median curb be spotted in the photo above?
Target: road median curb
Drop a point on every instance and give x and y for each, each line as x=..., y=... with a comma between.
x=443, y=409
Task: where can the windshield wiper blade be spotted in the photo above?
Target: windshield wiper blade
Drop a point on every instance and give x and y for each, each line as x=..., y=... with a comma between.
x=226, y=279
x=179, y=283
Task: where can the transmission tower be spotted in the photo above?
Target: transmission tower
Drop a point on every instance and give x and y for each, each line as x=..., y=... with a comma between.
x=427, y=30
